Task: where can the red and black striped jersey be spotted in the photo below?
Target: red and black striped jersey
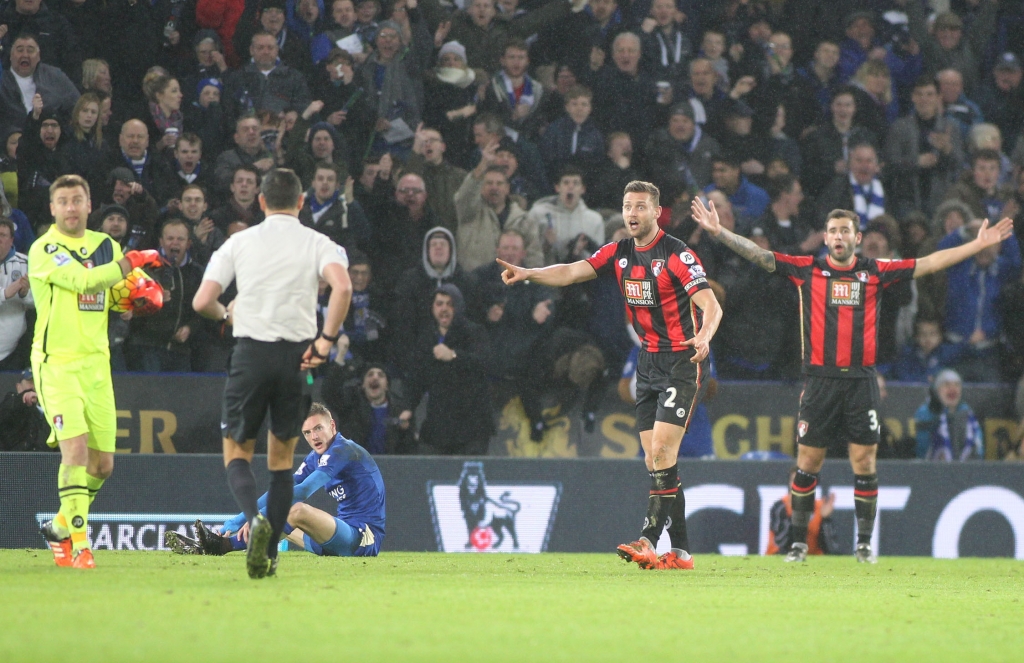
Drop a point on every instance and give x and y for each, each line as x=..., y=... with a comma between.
x=839, y=310
x=656, y=281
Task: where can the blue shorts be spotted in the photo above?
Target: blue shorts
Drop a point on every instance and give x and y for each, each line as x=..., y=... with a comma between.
x=346, y=542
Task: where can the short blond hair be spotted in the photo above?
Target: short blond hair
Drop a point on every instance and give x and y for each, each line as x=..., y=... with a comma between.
x=68, y=182
x=639, y=186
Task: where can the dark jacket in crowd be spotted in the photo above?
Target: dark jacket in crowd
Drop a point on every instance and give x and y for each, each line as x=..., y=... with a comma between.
x=459, y=419
x=283, y=89
x=355, y=416
x=344, y=222
x=58, y=92
x=22, y=427
x=180, y=285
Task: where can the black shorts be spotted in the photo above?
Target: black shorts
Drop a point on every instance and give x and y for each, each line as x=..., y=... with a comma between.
x=843, y=410
x=263, y=377
x=667, y=387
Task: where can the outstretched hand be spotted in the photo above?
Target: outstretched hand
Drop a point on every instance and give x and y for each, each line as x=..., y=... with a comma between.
x=989, y=235
x=512, y=273
x=706, y=218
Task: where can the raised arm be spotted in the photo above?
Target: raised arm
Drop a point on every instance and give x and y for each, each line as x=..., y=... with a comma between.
x=552, y=275
x=987, y=236
x=708, y=219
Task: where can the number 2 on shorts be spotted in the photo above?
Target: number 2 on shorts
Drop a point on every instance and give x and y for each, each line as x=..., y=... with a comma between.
x=671, y=400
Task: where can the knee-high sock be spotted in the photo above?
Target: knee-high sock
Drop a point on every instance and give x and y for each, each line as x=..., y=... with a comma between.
x=94, y=484
x=664, y=492
x=677, y=520
x=74, y=502
x=802, y=500
x=243, y=487
x=279, y=503
x=865, y=503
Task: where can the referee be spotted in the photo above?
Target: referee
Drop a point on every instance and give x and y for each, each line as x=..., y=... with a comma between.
x=276, y=267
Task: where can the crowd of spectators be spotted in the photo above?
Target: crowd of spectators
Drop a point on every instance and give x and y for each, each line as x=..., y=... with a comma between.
x=436, y=135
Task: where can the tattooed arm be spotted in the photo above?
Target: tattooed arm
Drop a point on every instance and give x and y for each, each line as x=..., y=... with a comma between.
x=708, y=219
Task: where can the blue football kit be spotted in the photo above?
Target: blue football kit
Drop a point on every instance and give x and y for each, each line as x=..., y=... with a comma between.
x=348, y=473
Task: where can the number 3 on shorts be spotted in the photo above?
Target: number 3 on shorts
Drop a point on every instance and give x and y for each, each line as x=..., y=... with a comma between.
x=873, y=418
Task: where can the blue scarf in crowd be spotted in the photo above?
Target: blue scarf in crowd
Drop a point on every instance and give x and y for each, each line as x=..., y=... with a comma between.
x=942, y=439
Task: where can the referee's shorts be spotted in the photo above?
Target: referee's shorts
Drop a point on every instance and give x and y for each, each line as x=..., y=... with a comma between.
x=78, y=399
x=263, y=378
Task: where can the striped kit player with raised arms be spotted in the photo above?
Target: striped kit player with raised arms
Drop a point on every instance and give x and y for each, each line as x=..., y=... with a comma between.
x=70, y=270
x=675, y=314
x=840, y=301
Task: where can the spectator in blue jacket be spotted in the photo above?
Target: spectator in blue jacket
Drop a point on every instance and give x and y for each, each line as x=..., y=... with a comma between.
x=922, y=359
x=972, y=293
x=749, y=201
x=573, y=138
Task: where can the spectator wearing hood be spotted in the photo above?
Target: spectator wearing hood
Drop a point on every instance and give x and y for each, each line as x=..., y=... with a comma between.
x=328, y=211
x=449, y=357
x=113, y=220
x=565, y=216
x=452, y=96
x=484, y=210
x=39, y=163
x=309, y=145
x=439, y=266
x=947, y=428
x=369, y=412
x=27, y=77
x=393, y=78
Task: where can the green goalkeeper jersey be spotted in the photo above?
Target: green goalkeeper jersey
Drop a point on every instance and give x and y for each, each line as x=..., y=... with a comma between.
x=70, y=278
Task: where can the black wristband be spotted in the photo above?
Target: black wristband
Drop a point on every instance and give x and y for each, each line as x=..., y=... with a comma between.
x=332, y=339
x=313, y=351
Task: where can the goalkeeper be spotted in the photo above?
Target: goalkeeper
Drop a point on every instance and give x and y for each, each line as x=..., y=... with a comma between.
x=70, y=270
x=345, y=471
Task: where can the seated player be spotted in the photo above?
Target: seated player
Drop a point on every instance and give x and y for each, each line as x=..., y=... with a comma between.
x=338, y=465
x=821, y=530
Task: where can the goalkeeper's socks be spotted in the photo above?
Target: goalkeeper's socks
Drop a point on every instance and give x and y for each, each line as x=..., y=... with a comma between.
x=865, y=503
x=279, y=503
x=677, y=519
x=801, y=494
x=243, y=487
x=74, y=502
x=663, y=495
x=94, y=484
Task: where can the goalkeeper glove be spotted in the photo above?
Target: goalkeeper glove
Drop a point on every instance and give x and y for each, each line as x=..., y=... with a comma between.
x=142, y=258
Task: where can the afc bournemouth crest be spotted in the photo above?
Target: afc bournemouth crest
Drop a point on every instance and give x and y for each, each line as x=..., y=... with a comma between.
x=657, y=266
x=862, y=277
x=58, y=421
x=801, y=428
x=472, y=516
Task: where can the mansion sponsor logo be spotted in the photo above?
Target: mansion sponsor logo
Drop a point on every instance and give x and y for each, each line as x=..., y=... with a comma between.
x=140, y=531
x=471, y=515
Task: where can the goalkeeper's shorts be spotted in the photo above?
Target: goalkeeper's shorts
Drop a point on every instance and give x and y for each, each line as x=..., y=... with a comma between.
x=78, y=399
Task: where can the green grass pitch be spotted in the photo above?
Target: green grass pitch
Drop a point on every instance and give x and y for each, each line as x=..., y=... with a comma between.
x=550, y=607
